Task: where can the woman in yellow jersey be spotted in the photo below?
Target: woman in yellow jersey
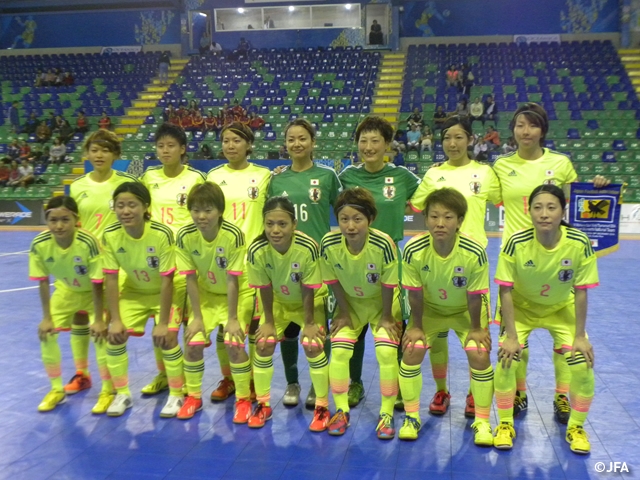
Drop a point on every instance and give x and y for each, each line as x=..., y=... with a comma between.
x=544, y=273
x=92, y=192
x=519, y=173
x=313, y=190
x=211, y=253
x=446, y=273
x=144, y=250
x=361, y=265
x=284, y=264
x=73, y=257
x=479, y=185
x=169, y=184
x=245, y=186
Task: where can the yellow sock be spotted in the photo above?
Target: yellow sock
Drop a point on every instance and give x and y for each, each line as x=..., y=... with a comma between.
x=387, y=356
x=411, y=387
x=582, y=389
x=80, y=337
x=173, y=363
x=223, y=356
x=262, y=375
x=52, y=359
x=482, y=389
x=439, y=357
x=319, y=373
x=241, y=373
x=118, y=362
x=341, y=352
x=103, y=368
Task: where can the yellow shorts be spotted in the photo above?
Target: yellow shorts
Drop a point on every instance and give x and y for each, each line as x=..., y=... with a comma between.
x=64, y=306
x=286, y=313
x=561, y=325
x=367, y=310
x=435, y=323
x=215, y=312
x=136, y=308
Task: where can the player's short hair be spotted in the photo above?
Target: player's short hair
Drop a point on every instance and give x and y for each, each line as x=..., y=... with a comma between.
x=461, y=121
x=358, y=198
x=536, y=115
x=62, y=201
x=243, y=131
x=375, y=124
x=304, y=123
x=207, y=194
x=138, y=190
x=106, y=139
x=173, y=131
x=449, y=198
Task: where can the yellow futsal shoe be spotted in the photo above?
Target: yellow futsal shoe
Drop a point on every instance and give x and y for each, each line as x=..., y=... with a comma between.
x=51, y=400
x=504, y=435
x=578, y=440
x=410, y=428
x=483, y=436
x=104, y=402
x=157, y=385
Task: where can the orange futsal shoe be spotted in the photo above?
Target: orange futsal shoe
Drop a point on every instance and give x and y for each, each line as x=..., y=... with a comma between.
x=224, y=390
x=320, y=422
x=189, y=408
x=439, y=403
x=78, y=382
x=242, y=411
x=260, y=415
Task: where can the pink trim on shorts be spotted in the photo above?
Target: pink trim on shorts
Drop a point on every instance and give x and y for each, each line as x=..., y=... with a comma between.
x=558, y=350
x=259, y=286
x=415, y=289
x=96, y=280
x=104, y=270
x=503, y=283
x=584, y=287
x=173, y=329
x=348, y=340
x=168, y=272
x=188, y=272
x=314, y=285
x=133, y=333
x=414, y=208
x=425, y=347
x=312, y=344
x=38, y=279
x=478, y=292
x=330, y=282
x=62, y=329
x=233, y=344
x=482, y=349
x=389, y=285
x=197, y=343
x=386, y=340
x=234, y=272
x=565, y=347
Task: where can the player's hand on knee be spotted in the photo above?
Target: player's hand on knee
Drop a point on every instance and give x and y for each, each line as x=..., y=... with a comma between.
x=98, y=331
x=312, y=336
x=234, y=335
x=391, y=326
x=266, y=331
x=339, y=322
x=194, y=327
x=583, y=345
x=159, y=334
x=45, y=328
x=481, y=337
x=508, y=350
x=411, y=338
x=117, y=334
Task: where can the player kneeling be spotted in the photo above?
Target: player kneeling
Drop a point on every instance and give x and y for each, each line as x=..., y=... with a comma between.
x=446, y=274
x=211, y=253
x=284, y=264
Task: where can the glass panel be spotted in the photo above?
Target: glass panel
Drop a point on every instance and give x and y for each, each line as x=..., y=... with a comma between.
x=238, y=19
x=292, y=17
x=337, y=16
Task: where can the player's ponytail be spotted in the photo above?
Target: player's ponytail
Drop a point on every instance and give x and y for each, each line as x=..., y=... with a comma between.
x=552, y=190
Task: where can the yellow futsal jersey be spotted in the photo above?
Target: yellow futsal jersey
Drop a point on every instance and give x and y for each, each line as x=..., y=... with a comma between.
x=169, y=195
x=518, y=178
x=445, y=281
x=73, y=268
x=95, y=200
x=145, y=260
x=245, y=192
x=543, y=279
x=212, y=260
x=285, y=274
x=476, y=181
x=361, y=275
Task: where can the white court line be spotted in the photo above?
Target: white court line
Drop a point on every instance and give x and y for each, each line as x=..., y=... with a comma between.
x=20, y=289
x=13, y=253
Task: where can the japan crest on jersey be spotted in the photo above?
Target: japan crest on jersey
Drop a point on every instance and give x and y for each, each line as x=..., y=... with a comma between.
x=459, y=282
x=253, y=192
x=475, y=187
x=373, y=277
x=296, y=277
x=81, y=269
x=389, y=191
x=315, y=194
x=565, y=275
x=181, y=199
x=221, y=262
x=153, y=262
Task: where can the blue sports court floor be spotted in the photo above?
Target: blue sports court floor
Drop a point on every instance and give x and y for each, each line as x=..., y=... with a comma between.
x=70, y=443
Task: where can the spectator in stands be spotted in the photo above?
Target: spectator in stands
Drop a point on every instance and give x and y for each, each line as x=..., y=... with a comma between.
x=492, y=138
x=193, y=106
x=51, y=121
x=27, y=176
x=426, y=141
x=14, y=117
x=105, y=121
x=282, y=153
x=59, y=78
x=239, y=113
x=36, y=155
x=510, y=146
x=163, y=67
x=25, y=150
x=243, y=46
x=49, y=79
x=490, y=111
x=452, y=76
x=211, y=122
x=38, y=80
x=462, y=109
x=59, y=123
x=205, y=152
x=413, y=138
x=198, y=121
x=4, y=171
x=466, y=80
x=415, y=118
x=268, y=23
x=215, y=47
x=31, y=124
x=43, y=132
x=82, y=125
x=58, y=151
x=13, y=178
x=255, y=122
x=68, y=79
x=205, y=43
x=439, y=117
x=476, y=110
x=375, y=34
x=398, y=144
x=66, y=132
x=13, y=151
